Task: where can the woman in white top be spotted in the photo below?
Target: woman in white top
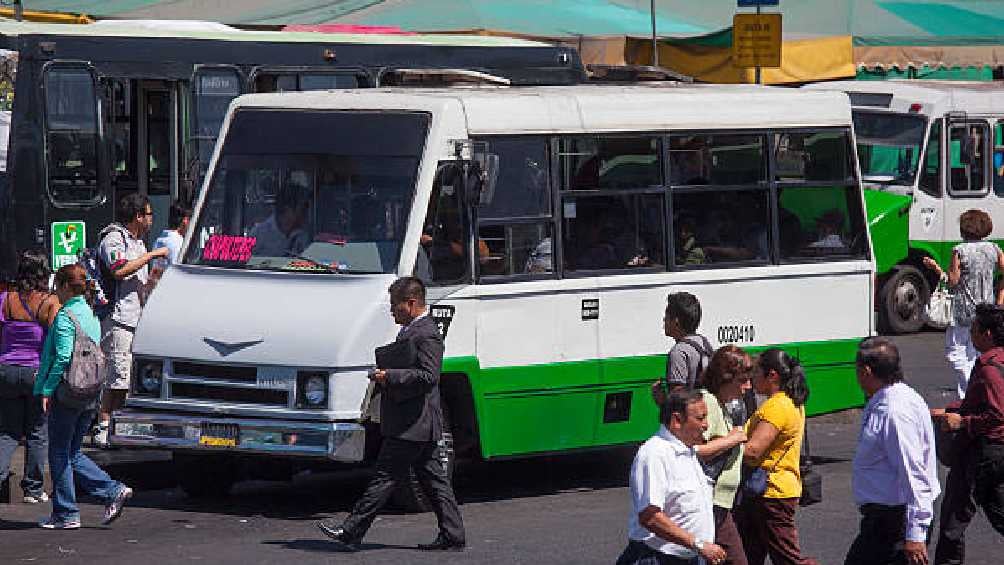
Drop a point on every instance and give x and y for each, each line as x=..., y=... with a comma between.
x=975, y=261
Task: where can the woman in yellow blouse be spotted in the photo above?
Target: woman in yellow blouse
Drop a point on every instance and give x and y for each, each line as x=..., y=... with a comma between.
x=767, y=522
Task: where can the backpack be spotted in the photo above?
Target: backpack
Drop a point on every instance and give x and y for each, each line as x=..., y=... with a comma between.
x=705, y=350
x=85, y=374
x=105, y=285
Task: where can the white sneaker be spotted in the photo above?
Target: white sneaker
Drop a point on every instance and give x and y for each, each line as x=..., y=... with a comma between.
x=32, y=499
x=114, y=508
x=101, y=435
x=49, y=523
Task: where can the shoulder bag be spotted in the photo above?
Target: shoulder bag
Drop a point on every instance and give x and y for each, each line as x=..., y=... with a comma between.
x=755, y=484
x=938, y=312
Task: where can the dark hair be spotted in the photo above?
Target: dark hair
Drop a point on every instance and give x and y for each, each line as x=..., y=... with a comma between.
x=686, y=309
x=991, y=318
x=291, y=196
x=74, y=277
x=881, y=355
x=975, y=225
x=790, y=371
x=406, y=288
x=676, y=403
x=130, y=206
x=730, y=363
x=32, y=272
x=177, y=214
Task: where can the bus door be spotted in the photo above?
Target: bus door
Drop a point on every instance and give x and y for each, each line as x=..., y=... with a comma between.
x=157, y=148
x=969, y=166
x=927, y=222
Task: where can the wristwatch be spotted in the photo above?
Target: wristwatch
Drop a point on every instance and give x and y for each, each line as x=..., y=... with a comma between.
x=699, y=545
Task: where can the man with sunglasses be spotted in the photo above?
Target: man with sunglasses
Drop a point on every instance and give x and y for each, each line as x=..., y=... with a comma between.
x=123, y=253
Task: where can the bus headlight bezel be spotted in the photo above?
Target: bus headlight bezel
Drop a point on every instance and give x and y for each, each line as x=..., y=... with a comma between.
x=312, y=390
x=148, y=377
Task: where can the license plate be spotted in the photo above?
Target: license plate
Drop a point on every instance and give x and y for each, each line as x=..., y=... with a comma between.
x=276, y=378
x=219, y=435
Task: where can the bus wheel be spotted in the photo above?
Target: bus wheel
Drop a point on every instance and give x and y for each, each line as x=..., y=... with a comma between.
x=902, y=301
x=411, y=497
x=205, y=475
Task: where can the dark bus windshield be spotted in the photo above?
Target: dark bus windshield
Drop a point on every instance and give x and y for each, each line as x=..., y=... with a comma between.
x=312, y=191
x=889, y=146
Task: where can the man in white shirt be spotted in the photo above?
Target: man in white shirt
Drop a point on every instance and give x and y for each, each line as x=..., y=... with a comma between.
x=174, y=235
x=895, y=478
x=672, y=519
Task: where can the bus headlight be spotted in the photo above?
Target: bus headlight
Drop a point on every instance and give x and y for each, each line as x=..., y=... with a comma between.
x=149, y=374
x=312, y=389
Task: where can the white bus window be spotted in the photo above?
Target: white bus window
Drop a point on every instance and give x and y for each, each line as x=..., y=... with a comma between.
x=610, y=163
x=516, y=249
x=968, y=158
x=613, y=232
x=717, y=159
x=930, y=174
x=998, y=173
x=813, y=156
x=71, y=123
x=721, y=226
x=820, y=221
x=522, y=189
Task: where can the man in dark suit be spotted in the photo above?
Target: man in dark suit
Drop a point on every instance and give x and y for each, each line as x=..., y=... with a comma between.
x=411, y=425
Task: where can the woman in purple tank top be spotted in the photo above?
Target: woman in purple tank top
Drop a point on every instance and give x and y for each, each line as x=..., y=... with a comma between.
x=26, y=312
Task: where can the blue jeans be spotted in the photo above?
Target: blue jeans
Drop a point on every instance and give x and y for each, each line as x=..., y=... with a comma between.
x=21, y=417
x=67, y=464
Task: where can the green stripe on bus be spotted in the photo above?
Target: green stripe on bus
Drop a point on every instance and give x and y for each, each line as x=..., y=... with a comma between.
x=554, y=407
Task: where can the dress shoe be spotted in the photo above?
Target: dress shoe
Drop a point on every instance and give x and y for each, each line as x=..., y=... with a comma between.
x=442, y=543
x=338, y=535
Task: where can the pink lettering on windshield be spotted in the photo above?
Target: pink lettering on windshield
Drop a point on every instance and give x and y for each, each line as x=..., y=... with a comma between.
x=228, y=249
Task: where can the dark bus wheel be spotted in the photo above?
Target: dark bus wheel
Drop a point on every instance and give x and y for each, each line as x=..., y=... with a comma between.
x=902, y=301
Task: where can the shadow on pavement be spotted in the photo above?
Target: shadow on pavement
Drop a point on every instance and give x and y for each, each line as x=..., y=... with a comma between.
x=322, y=546
x=19, y=525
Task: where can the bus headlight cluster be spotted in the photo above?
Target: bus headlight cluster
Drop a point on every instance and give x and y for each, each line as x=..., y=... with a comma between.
x=148, y=375
x=312, y=389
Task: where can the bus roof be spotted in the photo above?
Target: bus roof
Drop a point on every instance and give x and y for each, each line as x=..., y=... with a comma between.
x=207, y=30
x=938, y=96
x=592, y=108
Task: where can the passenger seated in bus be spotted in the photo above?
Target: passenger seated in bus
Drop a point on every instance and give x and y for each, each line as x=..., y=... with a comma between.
x=687, y=250
x=282, y=233
x=829, y=228
x=743, y=236
x=687, y=163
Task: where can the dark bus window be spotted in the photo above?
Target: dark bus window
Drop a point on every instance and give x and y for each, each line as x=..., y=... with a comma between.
x=158, y=141
x=717, y=159
x=119, y=128
x=721, y=226
x=523, y=186
x=442, y=255
x=998, y=174
x=968, y=157
x=823, y=155
x=613, y=232
x=610, y=163
x=823, y=221
x=298, y=82
x=516, y=249
x=71, y=120
x=214, y=89
x=930, y=174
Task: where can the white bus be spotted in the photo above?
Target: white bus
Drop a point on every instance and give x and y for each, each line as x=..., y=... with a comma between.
x=550, y=224
x=915, y=189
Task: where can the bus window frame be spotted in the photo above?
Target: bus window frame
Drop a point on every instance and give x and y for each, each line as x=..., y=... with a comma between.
x=942, y=155
x=101, y=178
x=985, y=190
x=298, y=70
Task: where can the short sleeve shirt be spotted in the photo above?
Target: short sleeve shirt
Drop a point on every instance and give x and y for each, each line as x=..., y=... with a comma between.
x=117, y=248
x=978, y=261
x=784, y=479
x=684, y=360
x=666, y=474
x=720, y=424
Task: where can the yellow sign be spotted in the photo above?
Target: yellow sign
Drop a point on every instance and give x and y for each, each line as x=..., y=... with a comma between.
x=756, y=40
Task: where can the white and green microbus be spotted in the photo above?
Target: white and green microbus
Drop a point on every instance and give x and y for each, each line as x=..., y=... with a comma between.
x=929, y=151
x=550, y=223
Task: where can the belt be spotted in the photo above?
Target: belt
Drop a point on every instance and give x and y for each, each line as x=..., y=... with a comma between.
x=876, y=508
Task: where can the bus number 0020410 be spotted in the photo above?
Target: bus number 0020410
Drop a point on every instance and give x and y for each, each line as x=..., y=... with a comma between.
x=736, y=334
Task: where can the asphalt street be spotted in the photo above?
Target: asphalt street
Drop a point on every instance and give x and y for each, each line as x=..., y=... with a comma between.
x=569, y=509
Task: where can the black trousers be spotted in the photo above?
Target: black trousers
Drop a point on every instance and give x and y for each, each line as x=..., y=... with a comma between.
x=976, y=478
x=397, y=458
x=881, y=538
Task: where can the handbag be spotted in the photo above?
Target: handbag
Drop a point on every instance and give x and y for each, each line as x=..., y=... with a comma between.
x=812, y=482
x=938, y=312
x=755, y=483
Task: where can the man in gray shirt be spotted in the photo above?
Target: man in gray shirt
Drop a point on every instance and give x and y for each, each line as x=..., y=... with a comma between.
x=691, y=354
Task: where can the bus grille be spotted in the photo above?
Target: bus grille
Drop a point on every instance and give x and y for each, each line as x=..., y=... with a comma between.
x=236, y=395
x=221, y=383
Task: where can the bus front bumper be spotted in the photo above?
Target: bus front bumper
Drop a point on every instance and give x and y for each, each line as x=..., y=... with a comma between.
x=335, y=441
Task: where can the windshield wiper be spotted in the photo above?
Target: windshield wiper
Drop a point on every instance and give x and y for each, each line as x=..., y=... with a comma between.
x=313, y=265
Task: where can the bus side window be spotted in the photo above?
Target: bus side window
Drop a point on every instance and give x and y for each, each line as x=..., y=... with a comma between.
x=998, y=164
x=442, y=255
x=968, y=158
x=71, y=136
x=930, y=173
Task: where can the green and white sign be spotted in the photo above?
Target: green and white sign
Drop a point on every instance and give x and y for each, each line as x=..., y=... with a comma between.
x=68, y=239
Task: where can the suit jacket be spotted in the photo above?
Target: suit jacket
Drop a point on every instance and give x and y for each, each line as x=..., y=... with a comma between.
x=410, y=406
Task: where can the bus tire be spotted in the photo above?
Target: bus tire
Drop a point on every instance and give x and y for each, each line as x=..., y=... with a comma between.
x=902, y=301
x=411, y=497
x=205, y=475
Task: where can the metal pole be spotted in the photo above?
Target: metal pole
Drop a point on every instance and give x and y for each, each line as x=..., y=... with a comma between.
x=655, y=43
x=756, y=73
x=18, y=10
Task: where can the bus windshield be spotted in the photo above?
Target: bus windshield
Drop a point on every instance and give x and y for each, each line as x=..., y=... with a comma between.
x=311, y=191
x=889, y=146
